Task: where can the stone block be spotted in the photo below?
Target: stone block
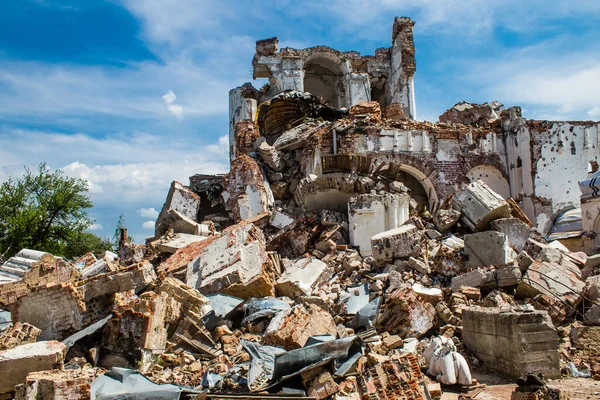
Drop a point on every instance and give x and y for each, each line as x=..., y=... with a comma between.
x=445, y=219
x=291, y=329
x=487, y=249
x=402, y=242
x=476, y=278
x=419, y=266
x=515, y=230
x=480, y=205
x=301, y=278
x=236, y=264
x=18, y=362
x=181, y=199
x=429, y=295
x=282, y=221
x=512, y=343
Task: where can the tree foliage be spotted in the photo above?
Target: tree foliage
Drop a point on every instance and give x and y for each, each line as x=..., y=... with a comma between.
x=45, y=210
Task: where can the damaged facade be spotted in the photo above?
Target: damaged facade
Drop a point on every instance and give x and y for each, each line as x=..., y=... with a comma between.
x=351, y=252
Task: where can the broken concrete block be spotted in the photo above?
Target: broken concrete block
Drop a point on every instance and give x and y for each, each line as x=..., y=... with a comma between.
x=524, y=260
x=429, y=295
x=476, y=278
x=445, y=219
x=18, y=362
x=487, y=248
x=178, y=241
x=419, y=266
x=236, y=264
x=512, y=343
x=179, y=261
x=181, y=199
x=402, y=242
x=515, y=230
x=282, y=221
x=291, y=328
x=551, y=279
x=301, y=278
x=480, y=205
x=18, y=334
x=405, y=314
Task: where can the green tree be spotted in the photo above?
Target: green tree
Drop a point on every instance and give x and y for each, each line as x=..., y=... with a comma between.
x=45, y=210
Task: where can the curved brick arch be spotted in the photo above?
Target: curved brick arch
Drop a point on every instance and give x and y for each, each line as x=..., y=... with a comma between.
x=492, y=160
x=490, y=169
x=421, y=168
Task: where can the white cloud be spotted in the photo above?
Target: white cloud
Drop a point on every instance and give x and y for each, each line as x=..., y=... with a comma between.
x=148, y=212
x=594, y=112
x=96, y=227
x=222, y=146
x=175, y=109
x=148, y=225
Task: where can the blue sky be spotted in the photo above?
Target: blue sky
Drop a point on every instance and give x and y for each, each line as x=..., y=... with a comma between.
x=132, y=94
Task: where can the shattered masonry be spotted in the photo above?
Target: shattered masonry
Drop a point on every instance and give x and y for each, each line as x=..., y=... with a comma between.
x=351, y=252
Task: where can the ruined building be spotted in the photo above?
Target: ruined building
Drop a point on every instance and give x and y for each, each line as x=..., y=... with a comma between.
x=537, y=163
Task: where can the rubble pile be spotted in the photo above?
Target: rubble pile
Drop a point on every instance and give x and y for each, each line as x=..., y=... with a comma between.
x=290, y=275
x=291, y=293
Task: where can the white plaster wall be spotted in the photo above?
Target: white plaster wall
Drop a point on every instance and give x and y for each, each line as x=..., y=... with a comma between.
x=492, y=177
x=390, y=140
x=379, y=216
x=559, y=171
x=360, y=88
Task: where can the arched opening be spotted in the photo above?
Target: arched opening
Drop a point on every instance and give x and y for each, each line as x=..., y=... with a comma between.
x=331, y=199
x=492, y=177
x=378, y=91
x=324, y=78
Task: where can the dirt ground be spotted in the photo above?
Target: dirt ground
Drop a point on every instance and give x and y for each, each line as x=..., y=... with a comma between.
x=499, y=388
